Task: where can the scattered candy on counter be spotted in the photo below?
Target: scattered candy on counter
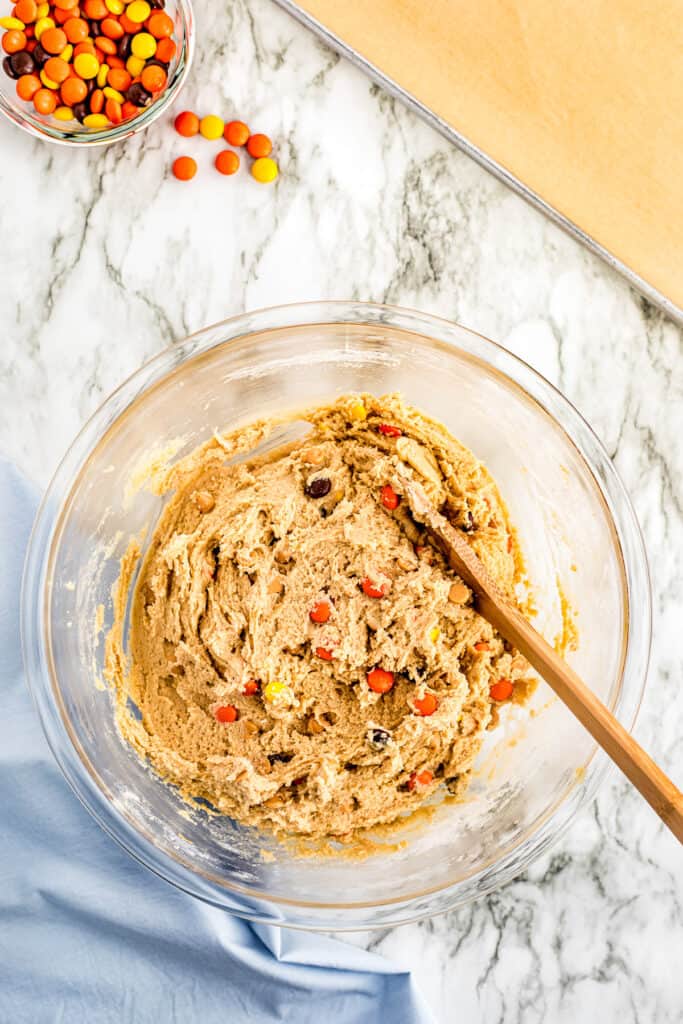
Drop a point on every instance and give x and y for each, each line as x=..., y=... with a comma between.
x=185, y=168
x=100, y=62
x=227, y=161
x=236, y=133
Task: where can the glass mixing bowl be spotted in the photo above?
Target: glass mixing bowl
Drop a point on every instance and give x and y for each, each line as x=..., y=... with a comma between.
x=576, y=527
x=72, y=133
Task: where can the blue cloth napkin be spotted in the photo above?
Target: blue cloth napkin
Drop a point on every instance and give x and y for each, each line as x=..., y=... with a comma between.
x=89, y=936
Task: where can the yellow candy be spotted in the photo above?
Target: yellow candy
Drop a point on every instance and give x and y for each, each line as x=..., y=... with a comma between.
x=134, y=66
x=138, y=11
x=41, y=25
x=434, y=634
x=42, y=10
x=113, y=94
x=9, y=23
x=143, y=45
x=264, y=170
x=115, y=6
x=211, y=127
x=67, y=53
x=96, y=121
x=86, y=65
x=276, y=691
x=102, y=75
x=357, y=411
x=47, y=82
x=64, y=114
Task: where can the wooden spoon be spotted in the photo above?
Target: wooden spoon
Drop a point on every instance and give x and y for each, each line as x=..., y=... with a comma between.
x=659, y=791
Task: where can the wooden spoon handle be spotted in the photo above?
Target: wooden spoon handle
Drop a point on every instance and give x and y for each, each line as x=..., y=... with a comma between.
x=659, y=791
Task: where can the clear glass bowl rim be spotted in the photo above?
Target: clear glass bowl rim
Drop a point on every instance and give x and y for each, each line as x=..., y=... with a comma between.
x=36, y=125
x=44, y=687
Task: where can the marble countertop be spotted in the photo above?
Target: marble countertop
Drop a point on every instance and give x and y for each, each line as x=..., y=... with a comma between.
x=105, y=259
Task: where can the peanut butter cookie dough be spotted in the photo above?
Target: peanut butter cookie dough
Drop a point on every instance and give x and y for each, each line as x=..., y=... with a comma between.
x=301, y=656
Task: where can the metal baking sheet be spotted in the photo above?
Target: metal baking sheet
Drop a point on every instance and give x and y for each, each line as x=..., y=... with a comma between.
x=642, y=286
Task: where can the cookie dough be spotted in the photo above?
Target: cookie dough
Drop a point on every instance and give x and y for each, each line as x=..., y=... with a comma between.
x=301, y=656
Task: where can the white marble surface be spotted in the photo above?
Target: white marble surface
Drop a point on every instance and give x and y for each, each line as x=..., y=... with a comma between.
x=105, y=259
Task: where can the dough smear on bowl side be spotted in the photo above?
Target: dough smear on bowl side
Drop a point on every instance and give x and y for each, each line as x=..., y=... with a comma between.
x=301, y=656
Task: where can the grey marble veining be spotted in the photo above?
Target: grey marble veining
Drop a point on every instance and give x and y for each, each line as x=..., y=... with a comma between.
x=105, y=259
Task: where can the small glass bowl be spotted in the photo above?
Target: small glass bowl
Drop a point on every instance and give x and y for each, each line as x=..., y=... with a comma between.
x=575, y=525
x=72, y=133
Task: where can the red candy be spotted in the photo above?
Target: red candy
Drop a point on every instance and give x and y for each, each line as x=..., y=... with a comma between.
x=227, y=714
x=420, y=780
x=389, y=497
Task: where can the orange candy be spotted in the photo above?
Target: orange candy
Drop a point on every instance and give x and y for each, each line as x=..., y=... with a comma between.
x=259, y=145
x=14, y=41
x=95, y=9
x=160, y=25
x=166, y=51
x=61, y=17
x=56, y=69
x=110, y=28
x=26, y=11
x=250, y=688
x=186, y=124
x=502, y=690
x=53, y=40
x=320, y=612
x=426, y=705
x=28, y=86
x=76, y=30
x=323, y=653
x=236, y=133
x=129, y=110
x=66, y=5
x=127, y=25
x=227, y=162
x=45, y=101
x=74, y=90
x=153, y=78
x=96, y=101
x=379, y=680
x=227, y=714
x=116, y=62
x=112, y=109
x=119, y=79
x=184, y=168
x=106, y=45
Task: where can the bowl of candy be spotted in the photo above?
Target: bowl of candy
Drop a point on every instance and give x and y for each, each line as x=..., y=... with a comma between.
x=91, y=72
